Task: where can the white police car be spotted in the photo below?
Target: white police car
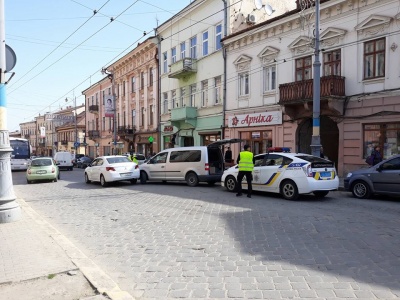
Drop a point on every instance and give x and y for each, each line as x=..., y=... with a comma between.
x=289, y=174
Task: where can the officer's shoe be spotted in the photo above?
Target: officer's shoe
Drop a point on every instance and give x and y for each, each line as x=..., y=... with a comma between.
x=248, y=196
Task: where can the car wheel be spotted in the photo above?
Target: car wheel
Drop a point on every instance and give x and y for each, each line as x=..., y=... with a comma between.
x=361, y=190
x=320, y=194
x=103, y=181
x=133, y=181
x=192, y=179
x=231, y=183
x=143, y=177
x=87, y=178
x=289, y=190
x=55, y=179
x=29, y=181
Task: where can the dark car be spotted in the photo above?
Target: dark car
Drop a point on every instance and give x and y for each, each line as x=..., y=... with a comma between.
x=383, y=178
x=83, y=162
x=76, y=158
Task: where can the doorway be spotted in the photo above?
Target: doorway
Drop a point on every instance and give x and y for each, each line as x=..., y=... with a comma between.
x=329, y=134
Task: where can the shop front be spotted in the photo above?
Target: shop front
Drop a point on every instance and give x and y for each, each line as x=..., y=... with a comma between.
x=259, y=130
x=146, y=143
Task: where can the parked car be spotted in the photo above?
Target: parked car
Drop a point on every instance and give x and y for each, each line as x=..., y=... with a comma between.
x=42, y=168
x=289, y=174
x=75, y=159
x=64, y=160
x=383, y=178
x=107, y=169
x=191, y=164
x=83, y=162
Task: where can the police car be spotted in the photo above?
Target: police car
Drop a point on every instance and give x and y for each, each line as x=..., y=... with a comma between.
x=289, y=174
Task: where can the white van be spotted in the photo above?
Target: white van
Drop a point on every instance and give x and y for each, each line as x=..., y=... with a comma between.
x=64, y=160
x=191, y=164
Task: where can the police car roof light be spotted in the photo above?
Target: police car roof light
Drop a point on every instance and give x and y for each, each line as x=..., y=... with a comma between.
x=278, y=149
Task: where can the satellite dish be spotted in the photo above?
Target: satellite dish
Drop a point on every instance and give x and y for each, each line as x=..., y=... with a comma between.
x=268, y=9
x=258, y=4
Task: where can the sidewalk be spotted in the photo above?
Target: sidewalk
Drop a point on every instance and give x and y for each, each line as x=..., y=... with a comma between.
x=37, y=262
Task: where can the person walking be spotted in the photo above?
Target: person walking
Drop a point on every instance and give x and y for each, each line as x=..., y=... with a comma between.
x=228, y=155
x=376, y=155
x=245, y=161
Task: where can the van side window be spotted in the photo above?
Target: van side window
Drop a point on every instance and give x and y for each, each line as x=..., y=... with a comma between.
x=160, y=158
x=185, y=156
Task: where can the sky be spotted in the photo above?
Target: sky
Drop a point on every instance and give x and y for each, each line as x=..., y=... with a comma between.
x=61, y=46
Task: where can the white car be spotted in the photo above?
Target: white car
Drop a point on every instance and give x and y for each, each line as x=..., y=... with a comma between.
x=289, y=174
x=107, y=169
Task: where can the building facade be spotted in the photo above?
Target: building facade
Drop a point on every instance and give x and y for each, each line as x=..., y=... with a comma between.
x=270, y=93
x=192, y=75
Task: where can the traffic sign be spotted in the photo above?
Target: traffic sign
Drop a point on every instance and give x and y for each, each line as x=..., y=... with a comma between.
x=76, y=144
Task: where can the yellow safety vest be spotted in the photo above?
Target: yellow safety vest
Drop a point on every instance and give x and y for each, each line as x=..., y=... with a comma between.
x=135, y=160
x=246, y=161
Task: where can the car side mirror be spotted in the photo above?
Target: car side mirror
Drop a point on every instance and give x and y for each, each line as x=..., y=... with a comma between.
x=379, y=168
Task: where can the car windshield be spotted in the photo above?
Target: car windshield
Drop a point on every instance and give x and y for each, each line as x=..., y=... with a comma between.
x=117, y=160
x=41, y=162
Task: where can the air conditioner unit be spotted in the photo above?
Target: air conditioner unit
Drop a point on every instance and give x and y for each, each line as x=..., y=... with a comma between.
x=251, y=19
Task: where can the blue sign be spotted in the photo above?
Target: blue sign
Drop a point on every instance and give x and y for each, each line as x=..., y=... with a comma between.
x=76, y=144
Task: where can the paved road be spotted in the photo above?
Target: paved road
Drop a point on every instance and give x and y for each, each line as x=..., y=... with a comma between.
x=167, y=241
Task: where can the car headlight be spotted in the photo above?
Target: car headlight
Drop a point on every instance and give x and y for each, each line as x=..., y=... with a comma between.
x=349, y=175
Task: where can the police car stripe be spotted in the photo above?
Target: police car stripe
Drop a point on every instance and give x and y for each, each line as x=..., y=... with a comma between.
x=272, y=179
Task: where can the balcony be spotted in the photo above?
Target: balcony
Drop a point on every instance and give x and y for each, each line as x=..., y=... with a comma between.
x=64, y=142
x=94, y=109
x=92, y=134
x=126, y=130
x=184, y=114
x=182, y=68
x=300, y=93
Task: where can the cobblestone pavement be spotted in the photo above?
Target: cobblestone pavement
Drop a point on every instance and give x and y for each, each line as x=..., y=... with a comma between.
x=167, y=241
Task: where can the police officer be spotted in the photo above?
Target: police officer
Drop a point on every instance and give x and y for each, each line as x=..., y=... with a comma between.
x=246, y=166
x=135, y=160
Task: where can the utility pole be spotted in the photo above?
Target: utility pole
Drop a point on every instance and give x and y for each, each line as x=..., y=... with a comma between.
x=10, y=211
x=316, y=139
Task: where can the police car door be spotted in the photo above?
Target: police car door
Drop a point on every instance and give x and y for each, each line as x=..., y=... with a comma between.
x=270, y=173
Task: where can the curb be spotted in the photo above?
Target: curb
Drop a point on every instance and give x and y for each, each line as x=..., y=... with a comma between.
x=97, y=277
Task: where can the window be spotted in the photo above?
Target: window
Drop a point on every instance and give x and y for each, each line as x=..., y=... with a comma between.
x=193, y=95
x=104, y=96
x=269, y=78
x=185, y=156
x=103, y=123
x=123, y=90
x=97, y=98
x=133, y=117
x=151, y=78
x=303, y=68
x=205, y=43
x=393, y=164
x=332, y=61
x=92, y=100
x=193, y=47
x=142, y=116
x=182, y=99
x=165, y=103
x=133, y=84
x=204, y=93
x=174, y=103
x=386, y=136
x=142, y=80
x=244, y=84
x=151, y=113
x=173, y=55
x=109, y=91
x=218, y=36
x=165, y=63
x=183, y=50
x=217, y=90
x=210, y=138
x=374, y=59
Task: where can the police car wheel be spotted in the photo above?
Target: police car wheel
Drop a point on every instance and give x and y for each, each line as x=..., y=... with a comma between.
x=231, y=184
x=289, y=190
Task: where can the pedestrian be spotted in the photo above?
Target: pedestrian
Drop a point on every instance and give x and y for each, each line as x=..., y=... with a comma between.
x=376, y=155
x=245, y=161
x=228, y=155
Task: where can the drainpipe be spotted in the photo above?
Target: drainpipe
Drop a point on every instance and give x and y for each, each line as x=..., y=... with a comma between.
x=225, y=62
x=160, y=142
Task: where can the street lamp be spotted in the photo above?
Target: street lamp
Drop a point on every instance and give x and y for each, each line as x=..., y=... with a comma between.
x=110, y=75
x=76, y=142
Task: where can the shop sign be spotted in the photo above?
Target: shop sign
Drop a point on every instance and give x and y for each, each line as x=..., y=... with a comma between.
x=256, y=119
x=168, y=128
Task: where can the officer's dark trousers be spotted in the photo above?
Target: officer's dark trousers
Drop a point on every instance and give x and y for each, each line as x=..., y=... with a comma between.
x=249, y=179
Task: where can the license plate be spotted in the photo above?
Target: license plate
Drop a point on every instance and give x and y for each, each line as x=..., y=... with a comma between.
x=41, y=172
x=325, y=174
x=125, y=174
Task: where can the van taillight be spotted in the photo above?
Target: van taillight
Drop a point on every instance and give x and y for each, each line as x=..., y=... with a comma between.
x=207, y=167
x=53, y=170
